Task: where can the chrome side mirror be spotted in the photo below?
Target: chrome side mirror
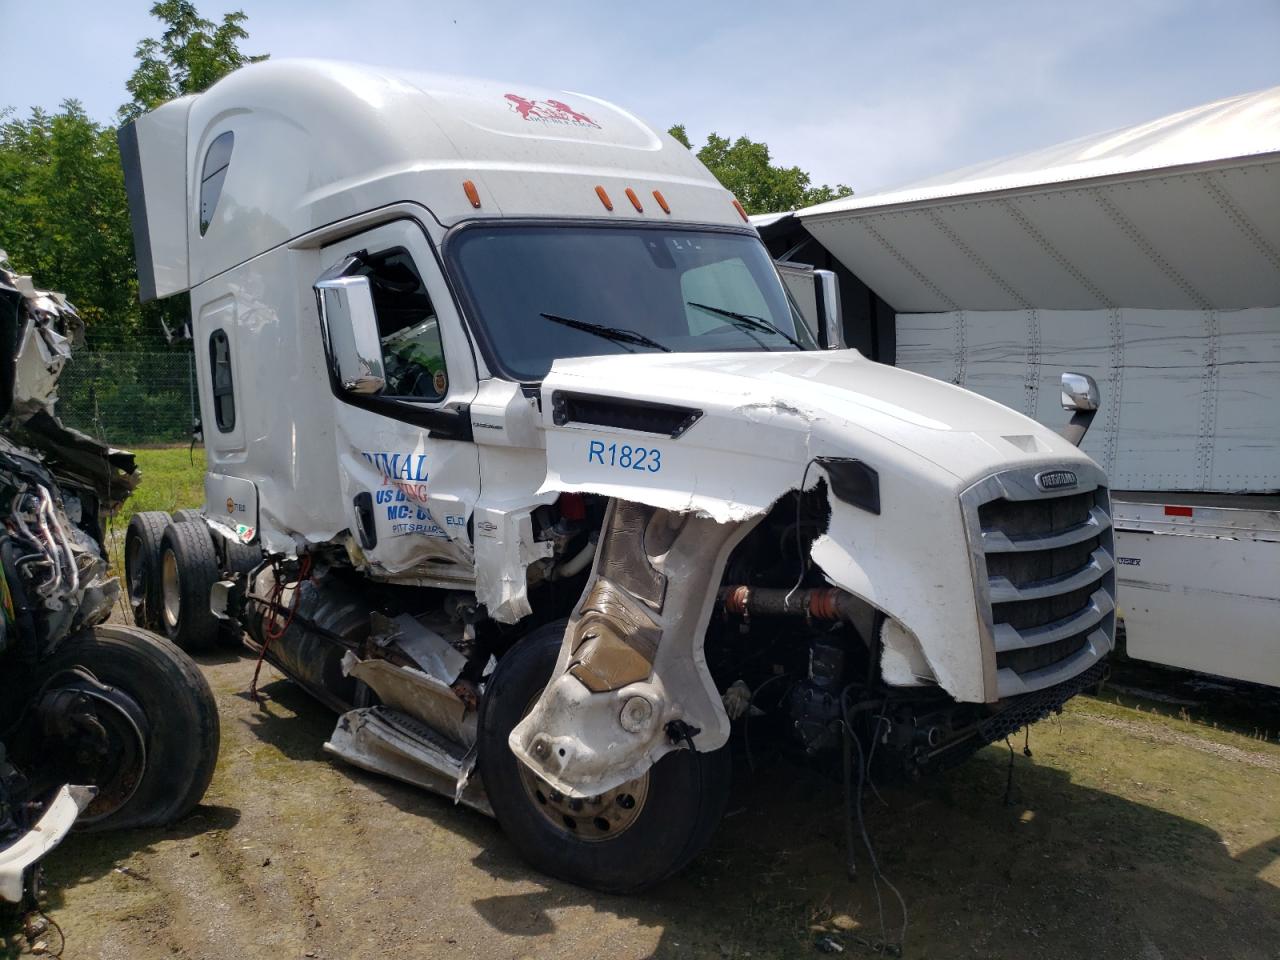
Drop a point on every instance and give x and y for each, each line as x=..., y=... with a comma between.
x=830, y=323
x=1079, y=392
x=351, y=327
x=1080, y=396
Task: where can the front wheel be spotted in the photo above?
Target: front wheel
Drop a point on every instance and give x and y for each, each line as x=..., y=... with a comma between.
x=619, y=842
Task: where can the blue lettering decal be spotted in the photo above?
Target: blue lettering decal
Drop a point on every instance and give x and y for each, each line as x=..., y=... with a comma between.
x=623, y=456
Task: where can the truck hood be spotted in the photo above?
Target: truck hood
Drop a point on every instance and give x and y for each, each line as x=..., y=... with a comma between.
x=777, y=411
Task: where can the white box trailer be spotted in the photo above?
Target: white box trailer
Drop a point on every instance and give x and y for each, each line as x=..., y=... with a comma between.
x=1150, y=259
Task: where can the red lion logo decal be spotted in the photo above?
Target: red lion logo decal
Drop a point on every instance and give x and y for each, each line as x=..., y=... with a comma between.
x=549, y=111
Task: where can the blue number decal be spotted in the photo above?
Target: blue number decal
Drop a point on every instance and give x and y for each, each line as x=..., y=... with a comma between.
x=623, y=456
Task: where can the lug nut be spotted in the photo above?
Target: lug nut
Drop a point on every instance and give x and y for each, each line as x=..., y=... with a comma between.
x=541, y=749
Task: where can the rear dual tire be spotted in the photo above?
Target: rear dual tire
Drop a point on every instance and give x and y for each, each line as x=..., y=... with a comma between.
x=189, y=568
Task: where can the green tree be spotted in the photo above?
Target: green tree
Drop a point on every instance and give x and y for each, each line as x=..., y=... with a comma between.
x=746, y=169
x=63, y=213
x=64, y=217
x=190, y=56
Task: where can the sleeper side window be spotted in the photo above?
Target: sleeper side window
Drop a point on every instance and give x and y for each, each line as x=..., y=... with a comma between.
x=216, y=160
x=412, y=353
x=224, y=398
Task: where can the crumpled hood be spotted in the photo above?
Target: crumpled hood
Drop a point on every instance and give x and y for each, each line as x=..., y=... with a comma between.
x=779, y=410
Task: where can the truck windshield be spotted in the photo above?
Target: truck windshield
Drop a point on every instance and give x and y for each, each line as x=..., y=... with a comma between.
x=544, y=292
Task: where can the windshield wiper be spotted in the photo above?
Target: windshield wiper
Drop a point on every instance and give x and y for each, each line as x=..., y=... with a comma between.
x=749, y=320
x=616, y=334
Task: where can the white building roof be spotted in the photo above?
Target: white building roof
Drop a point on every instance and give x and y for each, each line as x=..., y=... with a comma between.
x=1181, y=213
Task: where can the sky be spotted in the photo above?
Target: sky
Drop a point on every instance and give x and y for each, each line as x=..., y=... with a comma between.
x=867, y=94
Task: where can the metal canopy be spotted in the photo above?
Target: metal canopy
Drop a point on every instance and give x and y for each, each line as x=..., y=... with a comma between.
x=1179, y=213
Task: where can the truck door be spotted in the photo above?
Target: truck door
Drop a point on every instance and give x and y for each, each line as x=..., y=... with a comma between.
x=409, y=472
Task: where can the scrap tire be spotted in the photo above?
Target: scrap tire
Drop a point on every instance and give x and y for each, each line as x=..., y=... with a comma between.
x=687, y=791
x=185, y=515
x=142, y=566
x=182, y=715
x=188, y=569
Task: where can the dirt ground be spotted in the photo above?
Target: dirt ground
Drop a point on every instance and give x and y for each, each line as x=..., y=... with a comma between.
x=1129, y=834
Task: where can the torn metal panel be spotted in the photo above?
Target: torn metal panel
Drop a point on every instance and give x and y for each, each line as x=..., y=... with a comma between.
x=417, y=694
x=432, y=653
x=55, y=824
x=383, y=741
x=632, y=662
x=505, y=549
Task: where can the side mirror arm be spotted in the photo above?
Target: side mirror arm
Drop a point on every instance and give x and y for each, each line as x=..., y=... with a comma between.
x=1081, y=396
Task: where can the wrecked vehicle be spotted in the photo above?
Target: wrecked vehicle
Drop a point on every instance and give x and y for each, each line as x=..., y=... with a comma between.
x=103, y=726
x=521, y=458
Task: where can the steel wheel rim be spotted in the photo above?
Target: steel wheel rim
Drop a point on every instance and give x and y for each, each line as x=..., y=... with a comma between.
x=172, y=589
x=595, y=819
x=109, y=748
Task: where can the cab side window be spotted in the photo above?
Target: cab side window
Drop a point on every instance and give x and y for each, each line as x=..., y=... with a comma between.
x=412, y=354
x=224, y=397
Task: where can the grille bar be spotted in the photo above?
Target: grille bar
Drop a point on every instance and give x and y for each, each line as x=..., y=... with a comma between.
x=1003, y=590
x=997, y=541
x=1044, y=576
x=1097, y=646
x=1008, y=637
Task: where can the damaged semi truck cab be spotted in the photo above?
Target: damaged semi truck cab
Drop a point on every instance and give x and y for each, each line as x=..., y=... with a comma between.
x=523, y=459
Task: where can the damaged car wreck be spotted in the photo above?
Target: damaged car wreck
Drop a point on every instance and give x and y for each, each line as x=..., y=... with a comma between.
x=522, y=459
x=101, y=726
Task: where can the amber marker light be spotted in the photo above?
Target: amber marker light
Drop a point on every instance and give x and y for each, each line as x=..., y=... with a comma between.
x=742, y=213
x=472, y=193
x=662, y=201
x=604, y=198
x=635, y=201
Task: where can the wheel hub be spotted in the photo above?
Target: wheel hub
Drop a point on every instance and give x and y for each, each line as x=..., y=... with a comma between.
x=95, y=735
x=601, y=817
x=171, y=589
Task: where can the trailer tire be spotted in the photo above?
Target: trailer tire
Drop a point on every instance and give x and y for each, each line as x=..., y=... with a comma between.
x=142, y=566
x=182, y=729
x=684, y=798
x=188, y=569
x=186, y=515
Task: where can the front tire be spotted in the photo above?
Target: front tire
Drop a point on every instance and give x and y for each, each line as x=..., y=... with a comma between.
x=629, y=839
x=171, y=708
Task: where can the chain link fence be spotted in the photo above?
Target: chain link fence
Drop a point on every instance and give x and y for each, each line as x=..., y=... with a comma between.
x=130, y=398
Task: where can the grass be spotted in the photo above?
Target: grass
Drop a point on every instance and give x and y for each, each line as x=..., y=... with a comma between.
x=172, y=478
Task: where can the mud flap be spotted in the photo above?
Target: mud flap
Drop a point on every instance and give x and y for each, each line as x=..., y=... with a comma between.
x=632, y=659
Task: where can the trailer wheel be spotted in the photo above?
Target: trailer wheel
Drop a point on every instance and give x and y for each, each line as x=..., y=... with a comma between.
x=186, y=515
x=188, y=569
x=149, y=740
x=620, y=842
x=142, y=566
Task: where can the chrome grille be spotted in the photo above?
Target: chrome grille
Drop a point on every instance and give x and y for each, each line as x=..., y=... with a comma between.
x=1044, y=570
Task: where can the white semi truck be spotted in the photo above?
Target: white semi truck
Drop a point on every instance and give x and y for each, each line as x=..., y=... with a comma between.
x=521, y=458
x=1149, y=258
